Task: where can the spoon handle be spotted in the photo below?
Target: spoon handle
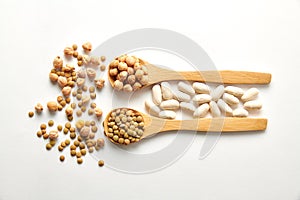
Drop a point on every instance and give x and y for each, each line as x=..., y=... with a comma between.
x=157, y=74
x=227, y=124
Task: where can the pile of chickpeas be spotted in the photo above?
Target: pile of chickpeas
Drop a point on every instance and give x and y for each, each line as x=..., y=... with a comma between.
x=71, y=80
x=125, y=126
x=128, y=73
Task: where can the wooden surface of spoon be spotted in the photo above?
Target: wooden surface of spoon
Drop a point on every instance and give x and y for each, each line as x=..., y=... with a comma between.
x=157, y=74
x=154, y=125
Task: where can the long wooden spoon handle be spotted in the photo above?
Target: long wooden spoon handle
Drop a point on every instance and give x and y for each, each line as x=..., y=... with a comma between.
x=227, y=124
x=228, y=77
x=157, y=74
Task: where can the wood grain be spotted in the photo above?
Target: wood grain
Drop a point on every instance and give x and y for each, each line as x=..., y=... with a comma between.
x=157, y=74
x=154, y=125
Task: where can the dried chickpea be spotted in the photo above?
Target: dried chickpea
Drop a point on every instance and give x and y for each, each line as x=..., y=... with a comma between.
x=52, y=106
x=38, y=108
x=68, y=51
x=87, y=46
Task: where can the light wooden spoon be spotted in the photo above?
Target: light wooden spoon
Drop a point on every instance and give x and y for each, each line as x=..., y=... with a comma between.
x=157, y=74
x=154, y=125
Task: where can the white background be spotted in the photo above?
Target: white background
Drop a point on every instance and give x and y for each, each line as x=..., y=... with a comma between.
x=238, y=35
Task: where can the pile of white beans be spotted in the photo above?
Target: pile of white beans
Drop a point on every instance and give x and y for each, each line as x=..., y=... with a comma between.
x=199, y=99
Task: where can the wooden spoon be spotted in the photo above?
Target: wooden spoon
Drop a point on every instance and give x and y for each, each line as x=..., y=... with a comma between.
x=157, y=74
x=154, y=125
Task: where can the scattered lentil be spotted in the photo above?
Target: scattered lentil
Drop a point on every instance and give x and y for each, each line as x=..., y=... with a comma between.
x=31, y=114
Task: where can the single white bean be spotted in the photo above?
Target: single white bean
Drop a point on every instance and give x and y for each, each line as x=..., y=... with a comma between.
x=181, y=96
x=230, y=99
x=151, y=108
x=156, y=94
x=171, y=104
x=214, y=109
x=167, y=114
x=250, y=94
x=202, y=98
x=240, y=112
x=187, y=106
x=253, y=105
x=224, y=107
x=217, y=93
x=201, y=88
x=186, y=88
x=201, y=111
x=235, y=91
x=166, y=91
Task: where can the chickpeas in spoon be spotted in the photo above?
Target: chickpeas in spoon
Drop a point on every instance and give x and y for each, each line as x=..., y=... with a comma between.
x=126, y=126
x=129, y=73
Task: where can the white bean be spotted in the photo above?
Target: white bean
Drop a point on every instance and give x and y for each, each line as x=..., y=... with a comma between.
x=151, y=108
x=171, y=104
x=240, y=112
x=166, y=91
x=202, y=98
x=181, y=96
x=224, y=107
x=236, y=91
x=186, y=88
x=201, y=88
x=214, y=109
x=250, y=94
x=230, y=99
x=253, y=105
x=217, y=93
x=167, y=114
x=156, y=94
x=201, y=111
x=188, y=106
